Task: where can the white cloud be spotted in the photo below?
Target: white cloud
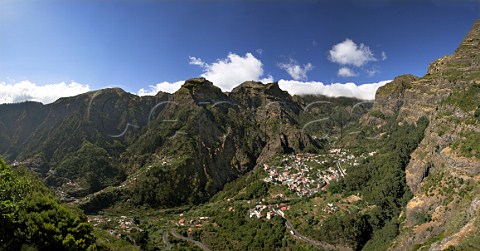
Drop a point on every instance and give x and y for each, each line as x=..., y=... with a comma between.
x=225, y=73
x=48, y=93
x=349, y=53
x=365, y=91
x=229, y=72
x=163, y=86
x=260, y=51
x=295, y=70
x=384, y=56
x=197, y=61
x=346, y=72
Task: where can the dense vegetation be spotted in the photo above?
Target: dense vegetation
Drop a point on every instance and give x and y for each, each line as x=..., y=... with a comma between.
x=32, y=217
x=91, y=166
x=381, y=182
x=466, y=99
x=368, y=224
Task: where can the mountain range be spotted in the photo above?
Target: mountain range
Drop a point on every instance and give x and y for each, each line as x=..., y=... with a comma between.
x=199, y=137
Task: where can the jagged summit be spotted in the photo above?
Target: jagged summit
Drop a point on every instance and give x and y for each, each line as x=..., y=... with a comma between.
x=466, y=57
x=470, y=45
x=197, y=82
x=249, y=86
x=199, y=91
x=253, y=94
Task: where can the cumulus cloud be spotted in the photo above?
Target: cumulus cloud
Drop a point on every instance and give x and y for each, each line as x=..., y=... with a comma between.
x=225, y=73
x=294, y=87
x=349, y=53
x=295, y=70
x=197, y=61
x=163, y=86
x=48, y=93
x=229, y=72
x=365, y=91
x=346, y=72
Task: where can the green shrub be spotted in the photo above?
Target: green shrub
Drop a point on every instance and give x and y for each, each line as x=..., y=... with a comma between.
x=31, y=216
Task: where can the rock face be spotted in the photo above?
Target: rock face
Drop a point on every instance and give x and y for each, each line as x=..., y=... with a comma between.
x=389, y=99
x=446, y=165
x=466, y=56
x=46, y=138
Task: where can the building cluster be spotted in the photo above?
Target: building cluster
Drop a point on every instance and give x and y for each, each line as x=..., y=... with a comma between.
x=330, y=208
x=193, y=223
x=268, y=211
x=343, y=156
x=305, y=174
x=298, y=175
x=123, y=227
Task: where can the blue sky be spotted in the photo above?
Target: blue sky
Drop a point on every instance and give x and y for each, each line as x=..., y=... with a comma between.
x=137, y=44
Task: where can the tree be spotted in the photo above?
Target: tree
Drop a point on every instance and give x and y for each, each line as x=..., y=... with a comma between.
x=32, y=216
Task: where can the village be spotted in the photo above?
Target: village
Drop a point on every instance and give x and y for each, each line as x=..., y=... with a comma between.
x=192, y=223
x=305, y=174
x=120, y=228
x=268, y=211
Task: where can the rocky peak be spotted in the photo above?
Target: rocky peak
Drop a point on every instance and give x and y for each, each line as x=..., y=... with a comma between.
x=397, y=86
x=249, y=85
x=466, y=57
x=199, y=90
x=413, y=97
x=197, y=83
x=249, y=94
x=389, y=99
x=275, y=93
x=255, y=94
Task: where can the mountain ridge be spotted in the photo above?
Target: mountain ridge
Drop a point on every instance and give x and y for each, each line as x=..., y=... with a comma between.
x=235, y=131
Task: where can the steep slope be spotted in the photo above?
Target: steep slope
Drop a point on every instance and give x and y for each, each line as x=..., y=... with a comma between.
x=16, y=123
x=198, y=142
x=202, y=138
x=277, y=116
x=443, y=172
x=49, y=138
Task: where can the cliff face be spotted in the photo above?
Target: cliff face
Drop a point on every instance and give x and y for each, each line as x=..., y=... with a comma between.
x=48, y=138
x=444, y=170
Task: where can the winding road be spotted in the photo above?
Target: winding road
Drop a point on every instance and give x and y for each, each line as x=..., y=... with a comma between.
x=315, y=243
x=166, y=241
x=179, y=236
